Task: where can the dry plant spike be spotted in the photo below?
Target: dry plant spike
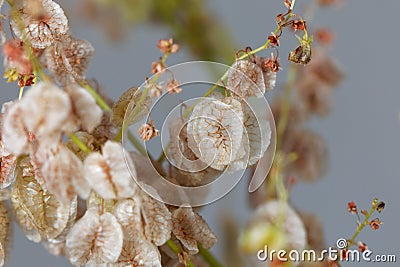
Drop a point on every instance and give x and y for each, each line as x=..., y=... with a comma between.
x=128, y=99
x=95, y=237
x=190, y=228
x=246, y=79
x=215, y=131
x=45, y=212
x=108, y=173
x=157, y=218
x=85, y=108
x=42, y=22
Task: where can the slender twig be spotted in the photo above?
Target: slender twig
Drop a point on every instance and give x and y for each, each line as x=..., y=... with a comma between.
x=365, y=223
x=79, y=143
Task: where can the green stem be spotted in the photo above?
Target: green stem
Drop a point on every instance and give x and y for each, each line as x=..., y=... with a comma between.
x=365, y=223
x=283, y=120
x=99, y=100
x=177, y=250
x=79, y=143
x=209, y=257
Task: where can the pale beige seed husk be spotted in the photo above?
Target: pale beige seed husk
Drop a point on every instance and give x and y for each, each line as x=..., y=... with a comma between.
x=190, y=228
x=95, y=237
x=40, y=32
x=293, y=226
x=246, y=79
x=14, y=135
x=47, y=215
x=68, y=59
x=215, y=131
x=128, y=215
x=85, y=108
x=108, y=173
x=157, y=218
x=138, y=253
x=62, y=173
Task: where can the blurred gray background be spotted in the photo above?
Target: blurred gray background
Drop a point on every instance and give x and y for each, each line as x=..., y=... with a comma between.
x=363, y=131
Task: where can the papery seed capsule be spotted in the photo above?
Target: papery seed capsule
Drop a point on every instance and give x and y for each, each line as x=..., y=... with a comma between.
x=301, y=55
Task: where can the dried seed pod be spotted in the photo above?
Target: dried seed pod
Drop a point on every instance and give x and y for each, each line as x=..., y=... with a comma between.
x=311, y=151
x=7, y=167
x=108, y=173
x=156, y=216
x=263, y=229
x=38, y=211
x=95, y=237
x=68, y=59
x=315, y=96
x=128, y=100
x=148, y=131
x=215, y=131
x=62, y=174
x=5, y=231
x=56, y=249
x=14, y=135
x=192, y=171
x=42, y=21
x=128, y=215
x=140, y=253
x=246, y=79
x=255, y=141
x=301, y=55
x=190, y=228
x=85, y=108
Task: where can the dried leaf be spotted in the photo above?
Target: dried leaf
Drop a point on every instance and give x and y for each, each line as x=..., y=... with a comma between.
x=96, y=237
x=246, y=79
x=128, y=99
x=42, y=22
x=215, y=131
x=108, y=173
x=190, y=228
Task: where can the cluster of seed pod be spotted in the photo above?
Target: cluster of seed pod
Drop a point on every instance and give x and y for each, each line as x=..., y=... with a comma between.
x=71, y=186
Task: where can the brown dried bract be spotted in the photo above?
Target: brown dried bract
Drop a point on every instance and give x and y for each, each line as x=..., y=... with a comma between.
x=147, y=131
x=190, y=228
